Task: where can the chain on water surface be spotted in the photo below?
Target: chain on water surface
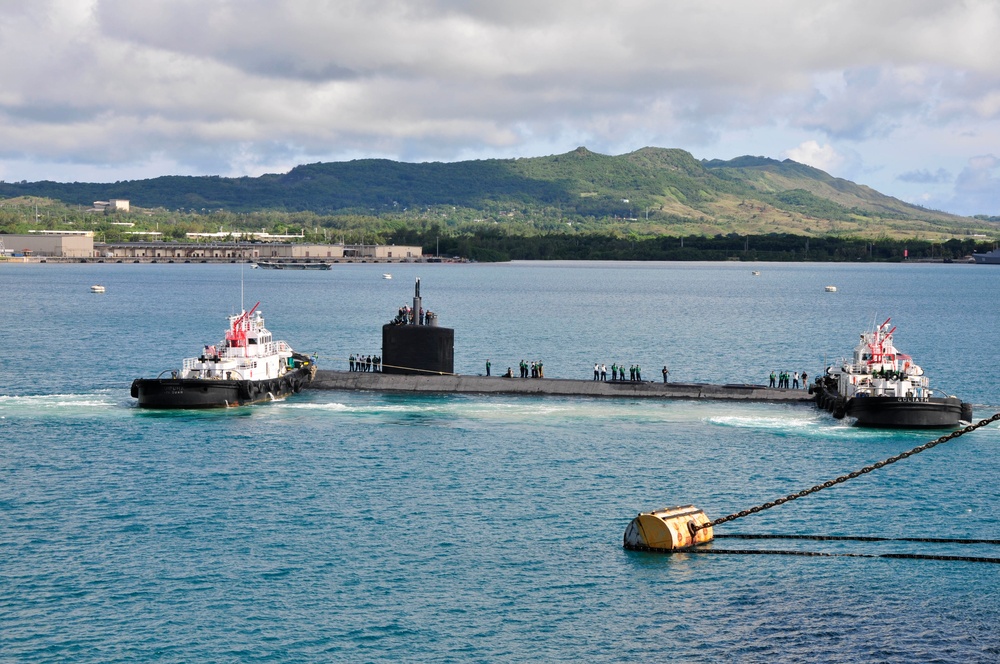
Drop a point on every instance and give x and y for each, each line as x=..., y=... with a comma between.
x=843, y=478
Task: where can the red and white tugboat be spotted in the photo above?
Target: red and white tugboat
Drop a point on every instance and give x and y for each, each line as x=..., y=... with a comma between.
x=881, y=387
x=245, y=367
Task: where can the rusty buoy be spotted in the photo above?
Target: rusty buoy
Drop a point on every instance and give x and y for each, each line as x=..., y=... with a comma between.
x=668, y=529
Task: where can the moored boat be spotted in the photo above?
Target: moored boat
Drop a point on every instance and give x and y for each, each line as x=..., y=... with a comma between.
x=292, y=265
x=247, y=366
x=881, y=387
x=989, y=258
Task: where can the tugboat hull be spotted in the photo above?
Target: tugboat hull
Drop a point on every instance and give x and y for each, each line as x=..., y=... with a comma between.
x=168, y=393
x=897, y=412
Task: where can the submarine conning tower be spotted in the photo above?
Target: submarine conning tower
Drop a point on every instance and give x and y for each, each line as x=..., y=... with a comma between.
x=413, y=343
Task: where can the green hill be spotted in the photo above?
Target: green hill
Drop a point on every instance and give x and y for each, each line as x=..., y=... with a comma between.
x=652, y=191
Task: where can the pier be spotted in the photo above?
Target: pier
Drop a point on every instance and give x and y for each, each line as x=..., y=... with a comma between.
x=327, y=379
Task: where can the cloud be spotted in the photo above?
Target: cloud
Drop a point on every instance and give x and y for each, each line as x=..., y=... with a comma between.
x=977, y=187
x=924, y=176
x=811, y=153
x=236, y=87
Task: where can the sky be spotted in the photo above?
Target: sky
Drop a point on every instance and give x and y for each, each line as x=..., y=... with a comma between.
x=899, y=95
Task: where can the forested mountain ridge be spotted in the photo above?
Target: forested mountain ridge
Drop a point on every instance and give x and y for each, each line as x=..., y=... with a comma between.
x=652, y=191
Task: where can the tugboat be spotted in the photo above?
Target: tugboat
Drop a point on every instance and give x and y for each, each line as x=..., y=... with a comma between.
x=247, y=366
x=881, y=387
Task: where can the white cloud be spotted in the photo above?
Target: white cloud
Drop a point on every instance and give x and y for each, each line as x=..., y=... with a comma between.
x=811, y=153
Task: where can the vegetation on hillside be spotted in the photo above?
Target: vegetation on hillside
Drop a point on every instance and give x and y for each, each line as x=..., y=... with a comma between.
x=575, y=205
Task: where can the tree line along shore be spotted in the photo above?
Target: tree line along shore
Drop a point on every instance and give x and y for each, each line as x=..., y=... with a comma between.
x=493, y=246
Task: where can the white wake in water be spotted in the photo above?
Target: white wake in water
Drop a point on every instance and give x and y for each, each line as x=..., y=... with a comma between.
x=93, y=403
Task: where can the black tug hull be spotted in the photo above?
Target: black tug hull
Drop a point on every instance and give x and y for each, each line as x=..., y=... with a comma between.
x=899, y=412
x=208, y=393
x=895, y=412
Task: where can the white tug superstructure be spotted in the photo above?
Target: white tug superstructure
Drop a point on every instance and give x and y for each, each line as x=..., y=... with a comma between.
x=879, y=370
x=246, y=353
x=248, y=365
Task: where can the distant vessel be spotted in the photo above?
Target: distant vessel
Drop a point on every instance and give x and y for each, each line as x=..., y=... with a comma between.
x=830, y=289
x=245, y=367
x=881, y=387
x=989, y=258
x=756, y=273
x=278, y=265
x=386, y=275
x=97, y=288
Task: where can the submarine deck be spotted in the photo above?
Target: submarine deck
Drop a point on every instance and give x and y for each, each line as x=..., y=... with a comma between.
x=327, y=379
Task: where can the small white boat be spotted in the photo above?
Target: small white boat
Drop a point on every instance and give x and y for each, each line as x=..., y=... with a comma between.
x=97, y=288
x=386, y=275
x=830, y=289
x=756, y=273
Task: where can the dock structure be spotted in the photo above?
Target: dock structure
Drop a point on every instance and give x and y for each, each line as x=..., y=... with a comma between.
x=327, y=379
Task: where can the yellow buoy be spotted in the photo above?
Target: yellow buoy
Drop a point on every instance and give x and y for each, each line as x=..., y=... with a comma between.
x=667, y=529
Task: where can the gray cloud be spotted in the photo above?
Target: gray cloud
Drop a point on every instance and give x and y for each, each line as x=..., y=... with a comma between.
x=924, y=176
x=250, y=86
x=977, y=185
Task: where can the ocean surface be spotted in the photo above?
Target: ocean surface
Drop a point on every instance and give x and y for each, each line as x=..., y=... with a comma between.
x=363, y=527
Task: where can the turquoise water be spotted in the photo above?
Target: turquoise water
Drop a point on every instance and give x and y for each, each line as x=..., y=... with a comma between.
x=365, y=527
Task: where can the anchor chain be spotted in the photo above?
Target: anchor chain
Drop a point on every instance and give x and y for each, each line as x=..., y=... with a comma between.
x=843, y=478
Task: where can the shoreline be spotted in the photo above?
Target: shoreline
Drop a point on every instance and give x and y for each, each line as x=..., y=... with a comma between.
x=34, y=260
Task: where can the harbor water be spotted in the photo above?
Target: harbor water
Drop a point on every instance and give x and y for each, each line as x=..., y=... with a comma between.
x=365, y=527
